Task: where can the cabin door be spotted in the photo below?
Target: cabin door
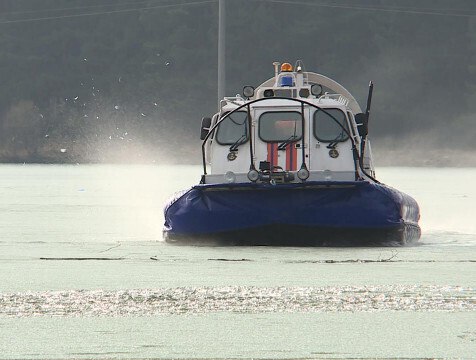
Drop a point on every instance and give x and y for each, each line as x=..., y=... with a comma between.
x=278, y=138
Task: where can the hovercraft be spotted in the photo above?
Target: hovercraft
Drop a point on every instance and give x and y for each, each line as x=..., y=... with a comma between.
x=290, y=163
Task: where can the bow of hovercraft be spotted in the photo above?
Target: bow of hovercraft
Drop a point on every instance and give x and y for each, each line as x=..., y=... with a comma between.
x=290, y=163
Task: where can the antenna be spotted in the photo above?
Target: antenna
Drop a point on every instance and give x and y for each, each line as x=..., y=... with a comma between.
x=276, y=68
x=221, y=51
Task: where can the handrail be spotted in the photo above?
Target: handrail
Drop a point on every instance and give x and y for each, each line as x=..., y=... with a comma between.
x=250, y=124
x=303, y=128
x=357, y=156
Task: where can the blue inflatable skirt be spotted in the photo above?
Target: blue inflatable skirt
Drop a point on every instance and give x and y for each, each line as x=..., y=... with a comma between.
x=297, y=214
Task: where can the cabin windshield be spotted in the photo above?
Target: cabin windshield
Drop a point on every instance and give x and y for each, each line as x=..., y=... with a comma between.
x=234, y=129
x=326, y=129
x=280, y=126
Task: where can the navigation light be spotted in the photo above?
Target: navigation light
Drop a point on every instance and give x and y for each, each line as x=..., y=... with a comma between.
x=316, y=89
x=303, y=173
x=253, y=175
x=248, y=91
x=230, y=177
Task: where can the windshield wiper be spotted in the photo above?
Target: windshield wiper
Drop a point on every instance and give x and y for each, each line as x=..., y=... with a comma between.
x=237, y=143
x=286, y=142
x=337, y=139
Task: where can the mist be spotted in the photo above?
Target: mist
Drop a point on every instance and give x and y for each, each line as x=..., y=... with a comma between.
x=128, y=81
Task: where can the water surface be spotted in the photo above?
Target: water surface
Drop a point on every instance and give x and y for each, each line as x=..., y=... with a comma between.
x=84, y=274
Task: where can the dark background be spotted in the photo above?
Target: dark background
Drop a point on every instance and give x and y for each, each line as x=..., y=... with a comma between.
x=128, y=81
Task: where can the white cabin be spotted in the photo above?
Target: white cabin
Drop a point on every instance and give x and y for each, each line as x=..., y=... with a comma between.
x=294, y=121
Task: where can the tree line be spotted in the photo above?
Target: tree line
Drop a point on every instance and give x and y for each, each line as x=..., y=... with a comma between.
x=128, y=81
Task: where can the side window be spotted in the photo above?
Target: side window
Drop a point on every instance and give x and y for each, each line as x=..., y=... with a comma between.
x=280, y=126
x=234, y=129
x=327, y=128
